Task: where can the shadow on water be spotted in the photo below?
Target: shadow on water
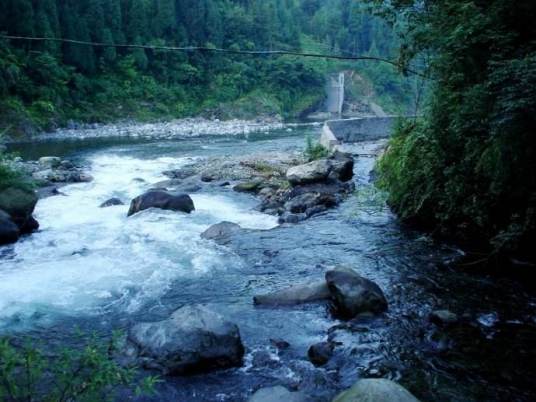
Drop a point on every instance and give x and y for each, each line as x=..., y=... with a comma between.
x=490, y=354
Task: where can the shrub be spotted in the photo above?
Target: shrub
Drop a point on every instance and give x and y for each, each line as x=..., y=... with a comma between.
x=314, y=151
x=82, y=374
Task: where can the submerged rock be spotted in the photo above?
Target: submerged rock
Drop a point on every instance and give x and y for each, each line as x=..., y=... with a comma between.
x=163, y=200
x=376, y=390
x=111, y=202
x=278, y=394
x=443, y=317
x=194, y=339
x=352, y=294
x=304, y=293
x=9, y=231
x=320, y=353
x=221, y=232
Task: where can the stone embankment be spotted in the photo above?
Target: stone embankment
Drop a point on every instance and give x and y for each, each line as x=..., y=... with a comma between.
x=337, y=132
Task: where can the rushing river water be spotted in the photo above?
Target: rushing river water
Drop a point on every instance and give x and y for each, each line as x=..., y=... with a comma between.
x=95, y=269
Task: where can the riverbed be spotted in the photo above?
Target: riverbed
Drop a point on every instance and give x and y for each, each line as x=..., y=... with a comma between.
x=97, y=270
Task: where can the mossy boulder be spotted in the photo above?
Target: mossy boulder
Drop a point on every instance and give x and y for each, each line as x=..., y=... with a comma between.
x=19, y=204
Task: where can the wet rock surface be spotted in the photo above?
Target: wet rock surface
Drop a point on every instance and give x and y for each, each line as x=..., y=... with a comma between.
x=297, y=294
x=352, y=294
x=163, y=200
x=286, y=186
x=278, y=394
x=194, y=339
x=9, y=231
x=16, y=208
x=52, y=171
x=111, y=203
x=320, y=353
x=376, y=390
x=221, y=232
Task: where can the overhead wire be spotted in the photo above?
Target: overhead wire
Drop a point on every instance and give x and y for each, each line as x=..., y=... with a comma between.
x=210, y=49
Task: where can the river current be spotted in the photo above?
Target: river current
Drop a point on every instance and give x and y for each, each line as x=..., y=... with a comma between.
x=97, y=270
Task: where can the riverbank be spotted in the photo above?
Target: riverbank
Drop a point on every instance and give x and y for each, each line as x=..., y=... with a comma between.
x=179, y=128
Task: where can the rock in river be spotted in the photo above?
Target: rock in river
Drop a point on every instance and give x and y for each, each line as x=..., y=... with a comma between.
x=194, y=339
x=111, y=203
x=9, y=232
x=278, y=394
x=19, y=204
x=320, y=353
x=353, y=294
x=50, y=161
x=221, y=232
x=163, y=200
x=304, y=293
x=376, y=390
x=312, y=172
x=443, y=317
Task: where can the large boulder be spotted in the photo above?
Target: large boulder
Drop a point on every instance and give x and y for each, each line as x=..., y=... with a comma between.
x=352, y=294
x=9, y=231
x=342, y=166
x=19, y=204
x=193, y=340
x=278, y=394
x=303, y=202
x=312, y=172
x=298, y=294
x=163, y=200
x=376, y=390
x=221, y=232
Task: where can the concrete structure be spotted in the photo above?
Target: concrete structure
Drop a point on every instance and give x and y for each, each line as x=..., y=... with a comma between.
x=335, y=94
x=336, y=132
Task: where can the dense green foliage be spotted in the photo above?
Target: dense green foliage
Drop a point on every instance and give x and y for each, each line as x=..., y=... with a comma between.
x=9, y=176
x=44, y=84
x=86, y=374
x=468, y=168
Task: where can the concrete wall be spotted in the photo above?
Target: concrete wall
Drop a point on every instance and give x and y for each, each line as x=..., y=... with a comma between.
x=335, y=93
x=336, y=132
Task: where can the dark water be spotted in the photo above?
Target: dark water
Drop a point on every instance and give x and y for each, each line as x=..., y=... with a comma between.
x=489, y=356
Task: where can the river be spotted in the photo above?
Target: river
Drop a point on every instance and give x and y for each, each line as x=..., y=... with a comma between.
x=94, y=269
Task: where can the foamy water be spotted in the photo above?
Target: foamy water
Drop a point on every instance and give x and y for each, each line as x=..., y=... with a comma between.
x=86, y=259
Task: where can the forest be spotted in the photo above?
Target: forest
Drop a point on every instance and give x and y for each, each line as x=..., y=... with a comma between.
x=43, y=85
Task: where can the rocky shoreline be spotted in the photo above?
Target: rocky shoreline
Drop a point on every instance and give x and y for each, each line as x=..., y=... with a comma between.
x=180, y=128
x=17, y=203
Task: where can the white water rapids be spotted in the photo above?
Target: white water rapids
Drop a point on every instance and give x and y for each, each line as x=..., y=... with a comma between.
x=87, y=259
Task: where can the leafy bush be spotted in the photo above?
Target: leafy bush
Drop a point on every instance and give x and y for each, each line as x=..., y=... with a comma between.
x=9, y=176
x=86, y=374
x=314, y=151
